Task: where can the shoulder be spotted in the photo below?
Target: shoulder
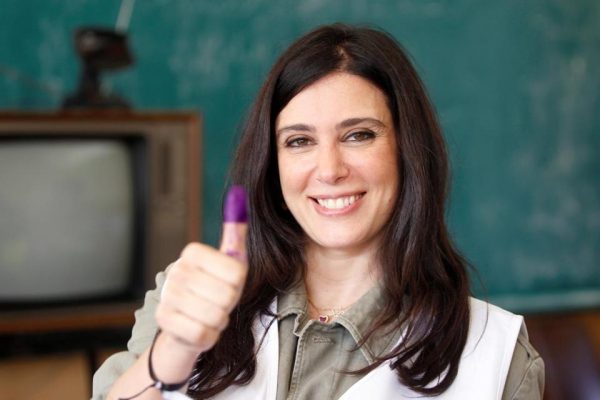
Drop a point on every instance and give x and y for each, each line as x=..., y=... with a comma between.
x=525, y=380
x=525, y=374
x=491, y=323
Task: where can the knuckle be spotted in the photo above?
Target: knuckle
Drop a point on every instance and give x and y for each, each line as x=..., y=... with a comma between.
x=175, y=275
x=239, y=276
x=191, y=250
x=161, y=315
x=198, y=335
x=230, y=297
x=219, y=318
x=170, y=291
x=179, y=273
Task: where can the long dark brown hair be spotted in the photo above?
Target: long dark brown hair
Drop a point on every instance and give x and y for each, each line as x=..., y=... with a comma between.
x=426, y=285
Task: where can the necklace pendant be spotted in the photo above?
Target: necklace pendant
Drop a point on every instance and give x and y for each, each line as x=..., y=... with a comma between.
x=324, y=318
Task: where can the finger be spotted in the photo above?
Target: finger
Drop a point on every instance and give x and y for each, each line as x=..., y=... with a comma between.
x=212, y=289
x=197, y=309
x=215, y=263
x=186, y=330
x=186, y=277
x=233, y=242
x=235, y=223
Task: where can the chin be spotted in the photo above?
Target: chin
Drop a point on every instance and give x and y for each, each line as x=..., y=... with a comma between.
x=337, y=243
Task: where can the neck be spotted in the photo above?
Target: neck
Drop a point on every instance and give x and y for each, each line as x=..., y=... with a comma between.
x=337, y=279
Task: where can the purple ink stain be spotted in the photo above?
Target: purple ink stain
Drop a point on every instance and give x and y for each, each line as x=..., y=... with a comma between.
x=236, y=205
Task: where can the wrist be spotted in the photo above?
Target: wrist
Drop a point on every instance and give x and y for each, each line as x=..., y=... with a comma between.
x=170, y=360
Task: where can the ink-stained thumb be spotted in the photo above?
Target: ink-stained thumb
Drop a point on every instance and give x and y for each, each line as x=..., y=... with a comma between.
x=235, y=223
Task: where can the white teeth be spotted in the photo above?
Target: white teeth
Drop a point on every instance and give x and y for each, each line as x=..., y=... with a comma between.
x=339, y=203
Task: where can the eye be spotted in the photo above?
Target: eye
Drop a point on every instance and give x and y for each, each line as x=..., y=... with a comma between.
x=298, y=141
x=359, y=136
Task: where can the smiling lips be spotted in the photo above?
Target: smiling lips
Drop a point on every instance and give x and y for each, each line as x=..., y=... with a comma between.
x=338, y=203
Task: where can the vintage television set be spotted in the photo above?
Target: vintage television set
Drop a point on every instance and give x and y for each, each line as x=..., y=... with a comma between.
x=92, y=206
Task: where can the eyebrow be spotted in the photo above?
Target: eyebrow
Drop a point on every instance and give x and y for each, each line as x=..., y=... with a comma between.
x=347, y=123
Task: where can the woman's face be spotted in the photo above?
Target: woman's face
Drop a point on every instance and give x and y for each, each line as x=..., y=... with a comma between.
x=336, y=151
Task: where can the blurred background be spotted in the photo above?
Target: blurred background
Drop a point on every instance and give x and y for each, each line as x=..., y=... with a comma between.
x=516, y=85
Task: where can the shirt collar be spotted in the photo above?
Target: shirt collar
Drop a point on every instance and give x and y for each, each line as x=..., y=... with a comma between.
x=356, y=320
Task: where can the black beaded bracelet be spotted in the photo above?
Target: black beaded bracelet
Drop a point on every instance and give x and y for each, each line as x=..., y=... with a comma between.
x=157, y=383
x=168, y=387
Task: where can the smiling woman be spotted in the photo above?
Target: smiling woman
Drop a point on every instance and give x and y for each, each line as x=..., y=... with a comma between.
x=352, y=287
x=336, y=153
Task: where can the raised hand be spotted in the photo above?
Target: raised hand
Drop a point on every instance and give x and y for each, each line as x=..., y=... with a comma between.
x=205, y=284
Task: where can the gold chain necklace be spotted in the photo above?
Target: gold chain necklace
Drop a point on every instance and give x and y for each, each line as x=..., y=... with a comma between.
x=324, y=316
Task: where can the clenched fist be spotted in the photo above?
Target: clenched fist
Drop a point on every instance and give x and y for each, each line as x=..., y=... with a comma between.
x=201, y=290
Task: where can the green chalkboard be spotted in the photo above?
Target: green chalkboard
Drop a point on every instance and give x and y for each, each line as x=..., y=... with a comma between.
x=516, y=85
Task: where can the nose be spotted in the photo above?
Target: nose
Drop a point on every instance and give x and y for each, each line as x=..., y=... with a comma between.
x=331, y=166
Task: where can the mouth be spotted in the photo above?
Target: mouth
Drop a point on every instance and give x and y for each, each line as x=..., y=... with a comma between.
x=337, y=203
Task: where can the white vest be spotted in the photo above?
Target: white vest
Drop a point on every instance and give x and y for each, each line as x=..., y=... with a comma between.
x=481, y=375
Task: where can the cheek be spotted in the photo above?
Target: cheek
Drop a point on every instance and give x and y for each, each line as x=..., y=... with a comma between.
x=380, y=168
x=384, y=176
x=291, y=177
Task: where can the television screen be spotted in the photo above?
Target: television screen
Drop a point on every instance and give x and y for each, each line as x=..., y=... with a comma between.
x=93, y=204
x=67, y=218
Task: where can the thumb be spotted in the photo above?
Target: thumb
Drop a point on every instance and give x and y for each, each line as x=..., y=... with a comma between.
x=235, y=223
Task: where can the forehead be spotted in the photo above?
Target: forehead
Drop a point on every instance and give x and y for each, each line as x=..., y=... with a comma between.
x=337, y=96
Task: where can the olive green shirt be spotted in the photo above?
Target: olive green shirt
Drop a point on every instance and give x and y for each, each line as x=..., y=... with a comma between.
x=314, y=355
x=525, y=378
